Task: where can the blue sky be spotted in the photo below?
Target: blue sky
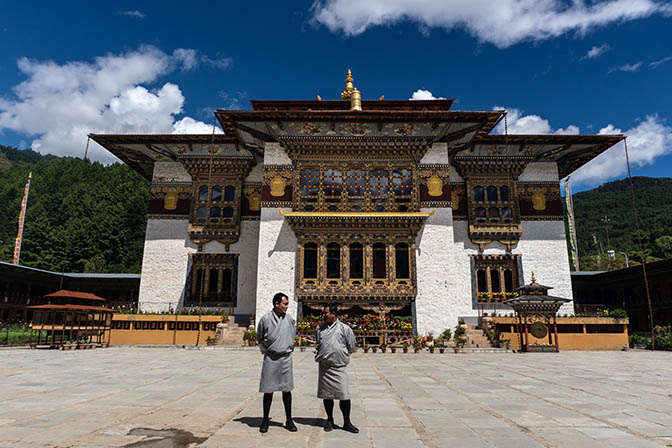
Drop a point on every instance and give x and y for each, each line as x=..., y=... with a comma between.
x=163, y=66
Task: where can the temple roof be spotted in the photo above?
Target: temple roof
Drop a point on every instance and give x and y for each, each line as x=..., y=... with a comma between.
x=569, y=151
x=140, y=151
x=402, y=105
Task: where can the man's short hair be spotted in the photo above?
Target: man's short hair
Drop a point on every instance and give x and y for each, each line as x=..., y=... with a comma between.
x=277, y=298
x=333, y=307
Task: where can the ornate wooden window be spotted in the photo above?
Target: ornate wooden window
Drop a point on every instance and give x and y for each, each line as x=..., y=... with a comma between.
x=402, y=261
x=347, y=188
x=496, y=277
x=356, y=263
x=369, y=267
x=492, y=203
x=212, y=208
x=310, y=262
x=212, y=280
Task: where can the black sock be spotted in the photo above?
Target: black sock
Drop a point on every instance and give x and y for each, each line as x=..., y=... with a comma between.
x=345, y=409
x=329, y=408
x=268, y=399
x=287, y=401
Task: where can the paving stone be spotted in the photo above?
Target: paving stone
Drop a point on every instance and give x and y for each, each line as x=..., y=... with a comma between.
x=101, y=398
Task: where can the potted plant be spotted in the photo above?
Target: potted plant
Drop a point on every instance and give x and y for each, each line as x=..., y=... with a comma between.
x=210, y=341
x=430, y=336
x=439, y=343
x=366, y=348
x=303, y=345
x=431, y=349
x=417, y=347
x=446, y=335
x=374, y=349
x=251, y=337
x=404, y=347
x=459, y=343
x=383, y=347
x=393, y=349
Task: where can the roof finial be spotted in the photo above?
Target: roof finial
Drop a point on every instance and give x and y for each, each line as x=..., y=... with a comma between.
x=349, y=88
x=534, y=280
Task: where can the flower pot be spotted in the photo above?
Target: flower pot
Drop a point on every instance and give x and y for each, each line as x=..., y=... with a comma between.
x=384, y=350
x=424, y=345
x=374, y=349
x=251, y=343
x=441, y=350
x=405, y=350
x=394, y=350
x=431, y=350
x=416, y=350
x=366, y=350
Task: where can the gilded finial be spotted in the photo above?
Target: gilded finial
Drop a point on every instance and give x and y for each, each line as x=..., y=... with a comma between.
x=534, y=280
x=319, y=98
x=349, y=87
x=30, y=175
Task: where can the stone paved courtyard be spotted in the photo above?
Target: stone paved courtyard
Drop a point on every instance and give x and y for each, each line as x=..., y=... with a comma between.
x=171, y=397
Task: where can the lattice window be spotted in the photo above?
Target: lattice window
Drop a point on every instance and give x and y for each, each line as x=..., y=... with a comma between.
x=492, y=203
x=359, y=266
x=212, y=280
x=496, y=277
x=216, y=205
x=359, y=189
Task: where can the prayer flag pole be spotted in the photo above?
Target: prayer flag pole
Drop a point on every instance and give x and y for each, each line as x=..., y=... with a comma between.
x=22, y=218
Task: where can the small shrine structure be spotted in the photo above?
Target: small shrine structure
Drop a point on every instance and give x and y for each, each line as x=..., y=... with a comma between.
x=536, y=312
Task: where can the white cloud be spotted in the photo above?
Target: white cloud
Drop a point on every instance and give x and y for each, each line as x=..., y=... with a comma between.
x=656, y=64
x=647, y=141
x=501, y=22
x=188, y=125
x=529, y=124
x=192, y=59
x=421, y=94
x=626, y=67
x=133, y=13
x=59, y=104
x=596, y=52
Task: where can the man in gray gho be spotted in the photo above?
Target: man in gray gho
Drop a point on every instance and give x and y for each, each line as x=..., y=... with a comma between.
x=335, y=342
x=275, y=335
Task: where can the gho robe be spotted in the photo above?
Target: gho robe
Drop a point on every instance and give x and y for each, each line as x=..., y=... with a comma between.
x=275, y=336
x=335, y=343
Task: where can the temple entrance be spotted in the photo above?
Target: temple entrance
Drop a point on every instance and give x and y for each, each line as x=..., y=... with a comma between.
x=374, y=324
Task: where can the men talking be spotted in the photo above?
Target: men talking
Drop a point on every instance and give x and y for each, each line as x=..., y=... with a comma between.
x=275, y=336
x=335, y=342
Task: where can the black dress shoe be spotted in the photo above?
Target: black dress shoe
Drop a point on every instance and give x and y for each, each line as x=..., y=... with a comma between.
x=290, y=426
x=329, y=426
x=350, y=428
x=264, y=426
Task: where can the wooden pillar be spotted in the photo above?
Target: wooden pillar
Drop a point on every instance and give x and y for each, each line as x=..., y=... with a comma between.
x=527, y=340
x=555, y=331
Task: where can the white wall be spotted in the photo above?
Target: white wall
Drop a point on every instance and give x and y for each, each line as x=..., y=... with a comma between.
x=276, y=260
x=164, y=264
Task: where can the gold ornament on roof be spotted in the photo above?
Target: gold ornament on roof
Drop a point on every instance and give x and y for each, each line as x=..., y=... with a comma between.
x=534, y=280
x=349, y=88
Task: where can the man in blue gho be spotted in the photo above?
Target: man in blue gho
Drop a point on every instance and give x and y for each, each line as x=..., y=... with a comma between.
x=275, y=336
x=335, y=342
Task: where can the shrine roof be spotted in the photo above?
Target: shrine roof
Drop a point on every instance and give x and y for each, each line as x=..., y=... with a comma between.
x=141, y=151
x=69, y=307
x=75, y=295
x=344, y=105
x=570, y=152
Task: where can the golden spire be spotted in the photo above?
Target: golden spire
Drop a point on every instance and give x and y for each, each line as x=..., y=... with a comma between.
x=534, y=280
x=349, y=88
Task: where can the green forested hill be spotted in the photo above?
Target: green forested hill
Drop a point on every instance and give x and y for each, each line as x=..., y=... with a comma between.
x=613, y=200
x=108, y=231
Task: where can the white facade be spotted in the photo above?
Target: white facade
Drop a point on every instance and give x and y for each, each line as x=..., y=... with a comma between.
x=446, y=284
